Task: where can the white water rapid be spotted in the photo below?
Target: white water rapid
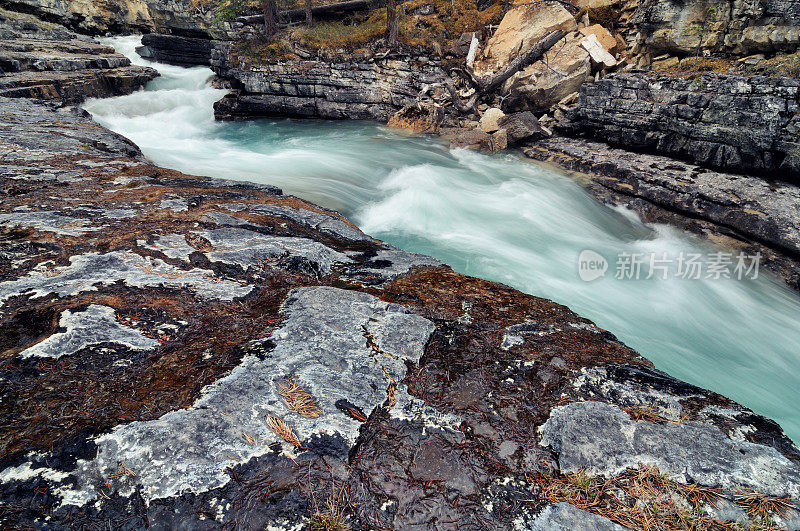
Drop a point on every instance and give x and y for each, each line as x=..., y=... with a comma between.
x=496, y=217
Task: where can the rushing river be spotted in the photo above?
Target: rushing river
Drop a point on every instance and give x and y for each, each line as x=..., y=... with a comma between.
x=496, y=217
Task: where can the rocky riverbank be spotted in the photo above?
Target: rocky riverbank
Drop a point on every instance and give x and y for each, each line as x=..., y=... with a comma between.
x=745, y=213
x=179, y=351
x=362, y=86
x=590, y=85
x=747, y=124
x=46, y=61
x=187, y=351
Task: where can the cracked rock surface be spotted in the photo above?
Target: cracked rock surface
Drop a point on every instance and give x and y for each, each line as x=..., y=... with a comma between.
x=185, y=352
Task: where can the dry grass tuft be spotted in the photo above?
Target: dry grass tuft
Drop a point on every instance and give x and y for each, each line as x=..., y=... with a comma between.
x=332, y=516
x=447, y=21
x=647, y=499
x=332, y=35
x=699, y=494
x=298, y=399
x=283, y=431
x=761, y=506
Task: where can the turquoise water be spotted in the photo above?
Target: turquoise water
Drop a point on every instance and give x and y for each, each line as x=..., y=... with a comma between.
x=495, y=217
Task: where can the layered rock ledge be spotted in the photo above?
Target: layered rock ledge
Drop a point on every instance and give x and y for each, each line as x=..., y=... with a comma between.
x=743, y=212
x=176, y=50
x=101, y=17
x=742, y=27
x=743, y=124
x=361, y=87
x=45, y=61
x=180, y=351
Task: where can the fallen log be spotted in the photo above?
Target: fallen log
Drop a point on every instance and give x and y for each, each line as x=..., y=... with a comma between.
x=488, y=84
x=319, y=12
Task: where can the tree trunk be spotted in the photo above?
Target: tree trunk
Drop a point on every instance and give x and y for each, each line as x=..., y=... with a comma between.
x=392, y=23
x=309, y=18
x=270, y=18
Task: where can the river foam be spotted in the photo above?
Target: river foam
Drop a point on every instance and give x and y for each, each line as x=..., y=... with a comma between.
x=496, y=217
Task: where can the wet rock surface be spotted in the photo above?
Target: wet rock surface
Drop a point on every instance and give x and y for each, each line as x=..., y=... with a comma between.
x=187, y=352
x=45, y=61
x=736, y=123
x=750, y=212
x=176, y=50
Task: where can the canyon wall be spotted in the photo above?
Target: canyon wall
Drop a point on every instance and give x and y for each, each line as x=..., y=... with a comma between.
x=360, y=88
x=46, y=61
x=739, y=26
x=178, y=17
x=747, y=124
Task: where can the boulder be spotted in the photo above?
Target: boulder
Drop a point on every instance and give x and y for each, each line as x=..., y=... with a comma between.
x=540, y=86
x=499, y=140
x=489, y=120
x=521, y=27
x=521, y=126
x=604, y=37
x=479, y=140
x=597, y=53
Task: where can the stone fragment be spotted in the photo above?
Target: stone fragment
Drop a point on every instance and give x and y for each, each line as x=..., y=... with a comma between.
x=603, y=440
x=479, y=140
x=604, y=37
x=597, y=53
x=521, y=126
x=489, y=120
x=499, y=140
x=566, y=517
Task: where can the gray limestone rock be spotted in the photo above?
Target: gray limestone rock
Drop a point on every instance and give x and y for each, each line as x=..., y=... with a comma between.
x=95, y=325
x=603, y=440
x=566, y=517
x=89, y=269
x=745, y=124
x=323, y=346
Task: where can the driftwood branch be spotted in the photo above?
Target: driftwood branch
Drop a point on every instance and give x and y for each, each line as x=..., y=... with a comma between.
x=458, y=103
x=490, y=83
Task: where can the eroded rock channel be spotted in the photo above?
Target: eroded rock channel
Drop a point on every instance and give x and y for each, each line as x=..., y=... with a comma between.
x=184, y=351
